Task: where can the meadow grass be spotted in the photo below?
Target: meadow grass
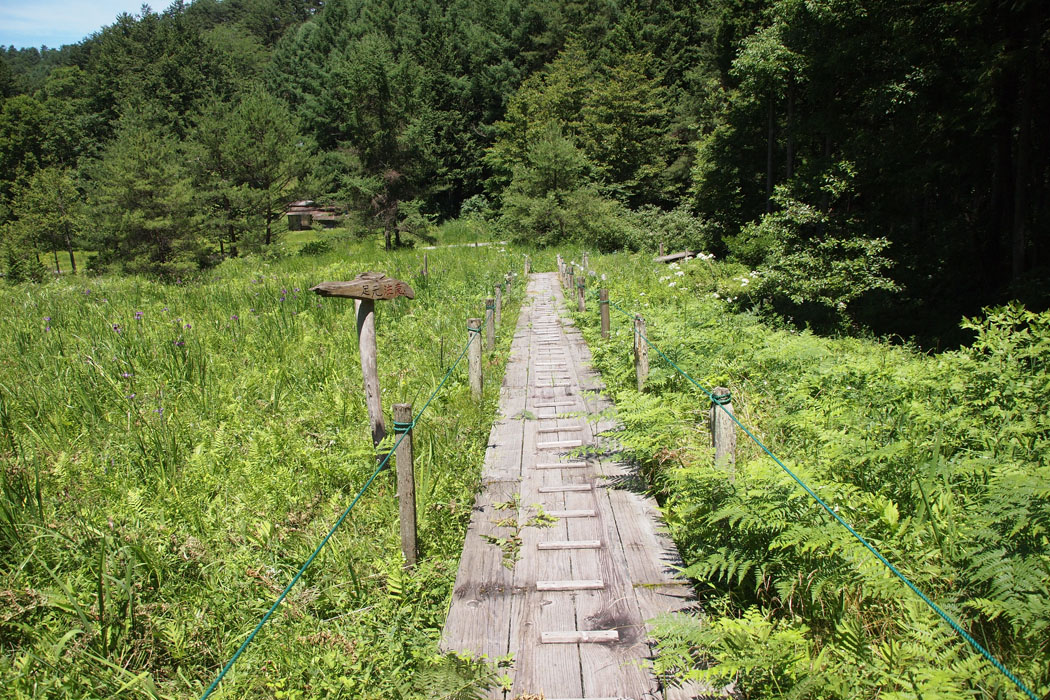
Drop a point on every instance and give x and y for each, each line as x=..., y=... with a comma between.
x=173, y=452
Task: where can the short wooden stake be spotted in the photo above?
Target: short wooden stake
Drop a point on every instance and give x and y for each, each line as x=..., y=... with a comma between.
x=474, y=357
x=528, y=266
x=498, y=310
x=603, y=307
x=490, y=326
x=661, y=249
x=581, y=302
x=426, y=265
x=585, y=265
x=509, y=279
x=723, y=429
x=572, y=279
x=641, y=352
x=406, y=482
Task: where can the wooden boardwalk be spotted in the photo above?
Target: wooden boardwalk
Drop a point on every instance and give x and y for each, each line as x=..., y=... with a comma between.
x=564, y=559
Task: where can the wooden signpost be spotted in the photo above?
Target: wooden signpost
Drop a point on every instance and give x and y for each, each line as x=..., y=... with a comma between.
x=365, y=290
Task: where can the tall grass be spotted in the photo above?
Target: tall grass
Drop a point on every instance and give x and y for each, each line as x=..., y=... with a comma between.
x=171, y=454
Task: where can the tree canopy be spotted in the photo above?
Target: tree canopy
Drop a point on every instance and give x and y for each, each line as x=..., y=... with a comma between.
x=742, y=114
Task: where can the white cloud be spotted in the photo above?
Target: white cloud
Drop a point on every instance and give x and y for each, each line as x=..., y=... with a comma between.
x=57, y=22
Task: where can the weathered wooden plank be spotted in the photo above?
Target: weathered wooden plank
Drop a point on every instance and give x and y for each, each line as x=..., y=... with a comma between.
x=367, y=285
x=614, y=668
x=559, y=465
x=559, y=444
x=569, y=544
x=565, y=487
x=565, y=429
x=579, y=513
x=674, y=257
x=570, y=585
x=479, y=618
x=580, y=637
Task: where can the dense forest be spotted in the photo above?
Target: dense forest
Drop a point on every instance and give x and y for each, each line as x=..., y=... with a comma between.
x=879, y=164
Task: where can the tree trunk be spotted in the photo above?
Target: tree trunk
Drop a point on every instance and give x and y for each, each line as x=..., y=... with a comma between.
x=55, y=253
x=790, y=136
x=769, y=156
x=1024, y=147
x=69, y=247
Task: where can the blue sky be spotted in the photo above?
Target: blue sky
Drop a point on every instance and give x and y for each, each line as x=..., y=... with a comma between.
x=26, y=23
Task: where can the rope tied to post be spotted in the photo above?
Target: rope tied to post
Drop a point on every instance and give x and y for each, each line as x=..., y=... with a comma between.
x=722, y=399
x=400, y=427
x=472, y=329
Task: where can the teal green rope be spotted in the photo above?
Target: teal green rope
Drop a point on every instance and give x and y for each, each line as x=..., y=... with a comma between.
x=945, y=616
x=302, y=569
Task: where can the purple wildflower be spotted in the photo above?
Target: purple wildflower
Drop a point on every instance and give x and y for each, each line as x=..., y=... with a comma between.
x=116, y=328
x=188, y=326
x=139, y=315
x=47, y=318
x=234, y=317
x=179, y=343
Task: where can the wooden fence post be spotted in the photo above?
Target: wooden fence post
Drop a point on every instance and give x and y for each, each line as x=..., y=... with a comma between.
x=572, y=279
x=490, y=327
x=498, y=296
x=406, y=483
x=528, y=266
x=723, y=429
x=426, y=265
x=581, y=302
x=585, y=266
x=474, y=357
x=509, y=281
x=641, y=352
x=660, y=249
x=603, y=308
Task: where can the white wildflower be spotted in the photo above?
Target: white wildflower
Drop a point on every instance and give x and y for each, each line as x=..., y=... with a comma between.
x=680, y=273
x=671, y=284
